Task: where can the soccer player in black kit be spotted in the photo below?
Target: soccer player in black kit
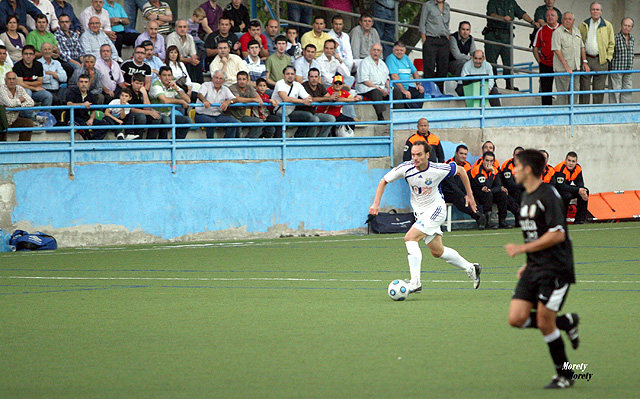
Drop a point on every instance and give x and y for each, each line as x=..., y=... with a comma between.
x=545, y=278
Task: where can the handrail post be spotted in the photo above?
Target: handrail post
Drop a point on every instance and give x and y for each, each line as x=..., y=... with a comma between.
x=571, y=102
x=284, y=136
x=72, y=154
x=513, y=84
x=483, y=83
x=173, y=139
x=391, y=88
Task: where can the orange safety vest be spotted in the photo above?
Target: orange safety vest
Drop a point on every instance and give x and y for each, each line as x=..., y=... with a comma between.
x=568, y=175
x=430, y=138
x=487, y=177
x=466, y=165
x=548, y=174
x=496, y=164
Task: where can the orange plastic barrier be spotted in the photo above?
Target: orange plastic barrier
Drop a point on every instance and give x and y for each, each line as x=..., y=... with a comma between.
x=615, y=205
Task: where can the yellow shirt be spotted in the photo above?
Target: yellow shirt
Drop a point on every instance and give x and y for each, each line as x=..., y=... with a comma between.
x=311, y=38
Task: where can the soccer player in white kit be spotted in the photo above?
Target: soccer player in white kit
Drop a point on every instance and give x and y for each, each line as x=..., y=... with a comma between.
x=428, y=205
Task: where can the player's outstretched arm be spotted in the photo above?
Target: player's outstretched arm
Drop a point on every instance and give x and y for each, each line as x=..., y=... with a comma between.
x=547, y=240
x=468, y=199
x=375, y=208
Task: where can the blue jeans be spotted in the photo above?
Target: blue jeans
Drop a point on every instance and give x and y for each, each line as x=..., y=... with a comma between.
x=386, y=31
x=327, y=121
x=42, y=96
x=303, y=116
x=231, y=131
x=131, y=7
x=163, y=133
x=302, y=14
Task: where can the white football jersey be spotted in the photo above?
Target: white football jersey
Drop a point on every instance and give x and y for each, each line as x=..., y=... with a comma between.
x=425, y=186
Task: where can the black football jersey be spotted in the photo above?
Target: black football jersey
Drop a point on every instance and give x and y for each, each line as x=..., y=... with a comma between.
x=542, y=211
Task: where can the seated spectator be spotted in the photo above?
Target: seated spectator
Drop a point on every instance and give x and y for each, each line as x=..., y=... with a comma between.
x=570, y=185
x=136, y=65
x=254, y=34
x=112, y=79
x=14, y=96
x=215, y=92
x=223, y=34
x=294, y=47
x=30, y=76
x=245, y=93
x=423, y=134
x=96, y=10
x=187, y=51
x=159, y=12
x=95, y=78
x=264, y=112
x=372, y=80
x=154, y=62
x=272, y=30
x=93, y=38
x=213, y=13
x=238, y=14
x=46, y=8
x=363, y=37
x=461, y=48
x=62, y=7
x=277, y=61
x=343, y=40
x=69, y=45
x=257, y=67
x=487, y=190
x=195, y=23
x=549, y=174
x=119, y=115
x=317, y=36
x=4, y=65
x=179, y=71
x=19, y=8
x=305, y=63
x=228, y=63
x=119, y=20
x=288, y=90
x=331, y=64
x=54, y=74
x=339, y=92
x=80, y=95
x=165, y=91
x=13, y=39
x=478, y=66
x=141, y=116
x=157, y=40
x=401, y=68
x=39, y=36
x=318, y=93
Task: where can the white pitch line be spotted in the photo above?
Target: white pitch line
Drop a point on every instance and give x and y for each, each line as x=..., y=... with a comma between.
x=268, y=279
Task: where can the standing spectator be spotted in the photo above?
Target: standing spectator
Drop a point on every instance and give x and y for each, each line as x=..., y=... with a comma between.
x=38, y=37
x=81, y=95
x=5, y=66
x=95, y=78
x=271, y=31
x=223, y=34
x=20, y=8
x=622, y=61
x=93, y=38
x=363, y=37
x=254, y=34
x=54, y=74
x=385, y=9
x=544, y=55
x=180, y=73
x=498, y=31
x=160, y=12
x=136, y=65
x=257, y=67
x=339, y=6
x=187, y=49
x=331, y=64
x=540, y=15
x=215, y=92
x=46, y=8
x=14, y=96
x=277, y=61
x=112, y=78
x=228, y=63
x=13, y=39
x=62, y=7
x=301, y=14
x=238, y=14
x=303, y=64
x=245, y=93
x=568, y=55
x=318, y=93
x=119, y=20
x=434, y=27
x=340, y=93
x=570, y=185
x=30, y=76
x=373, y=79
x=97, y=10
x=213, y=14
x=288, y=90
x=152, y=34
x=461, y=48
x=343, y=40
x=317, y=36
x=165, y=91
x=401, y=68
x=131, y=7
x=598, y=37
x=69, y=45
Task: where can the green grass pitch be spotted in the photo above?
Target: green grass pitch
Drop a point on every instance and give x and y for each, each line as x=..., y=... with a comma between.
x=306, y=318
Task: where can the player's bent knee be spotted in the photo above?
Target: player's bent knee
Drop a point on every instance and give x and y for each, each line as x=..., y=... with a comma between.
x=437, y=252
x=516, y=320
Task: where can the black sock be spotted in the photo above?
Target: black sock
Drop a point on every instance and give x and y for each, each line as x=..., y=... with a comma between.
x=563, y=323
x=558, y=354
x=533, y=320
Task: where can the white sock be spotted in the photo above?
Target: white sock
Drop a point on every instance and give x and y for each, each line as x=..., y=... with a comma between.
x=553, y=336
x=415, y=259
x=453, y=257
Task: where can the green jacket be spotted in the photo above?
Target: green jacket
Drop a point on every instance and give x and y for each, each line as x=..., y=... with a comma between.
x=604, y=36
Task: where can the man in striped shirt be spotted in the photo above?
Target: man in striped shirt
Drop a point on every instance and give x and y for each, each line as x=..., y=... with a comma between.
x=622, y=61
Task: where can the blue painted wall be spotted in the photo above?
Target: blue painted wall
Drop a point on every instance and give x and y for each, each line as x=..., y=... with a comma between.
x=329, y=195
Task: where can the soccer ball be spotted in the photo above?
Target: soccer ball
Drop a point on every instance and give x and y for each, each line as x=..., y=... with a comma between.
x=398, y=290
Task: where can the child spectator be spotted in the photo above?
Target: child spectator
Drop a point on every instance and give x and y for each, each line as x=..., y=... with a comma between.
x=340, y=93
x=266, y=112
x=195, y=23
x=294, y=47
x=119, y=116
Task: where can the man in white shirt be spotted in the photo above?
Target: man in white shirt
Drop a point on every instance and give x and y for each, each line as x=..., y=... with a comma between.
x=47, y=9
x=96, y=10
x=331, y=64
x=343, y=40
x=215, y=92
x=373, y=79
x=306, y=62
x=229, y=63
x=290, y=91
